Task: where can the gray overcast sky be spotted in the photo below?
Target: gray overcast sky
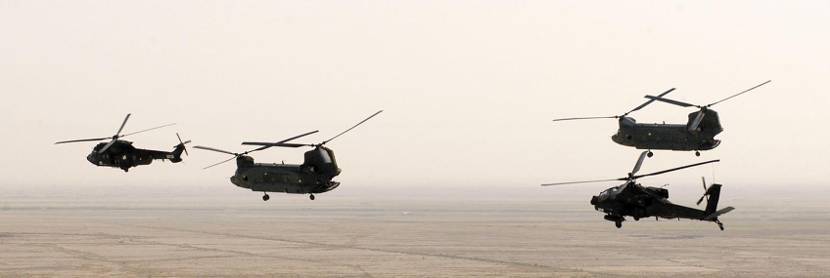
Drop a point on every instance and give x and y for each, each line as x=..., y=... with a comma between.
x=469, y=87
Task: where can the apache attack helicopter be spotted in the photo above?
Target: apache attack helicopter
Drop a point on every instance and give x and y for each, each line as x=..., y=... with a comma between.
x=121, y=154
x=633, y=199
x=698, y=134
x=313, y=176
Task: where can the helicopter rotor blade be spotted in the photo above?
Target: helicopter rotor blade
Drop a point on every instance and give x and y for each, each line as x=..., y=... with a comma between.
x=586, y=118
x=581, y=182
x=82, y=140
x=215, y=150
x=698, y=119
x=183, y=143
x=149, y=129
x=639, y=163
x=124, y=123
x=105, y=148
x=223, y=161
x=648, y=102
x=265, y=145
x=353, y=127
x=674, y=169
x=738, y=94
x=285, y=145
x=671, y=101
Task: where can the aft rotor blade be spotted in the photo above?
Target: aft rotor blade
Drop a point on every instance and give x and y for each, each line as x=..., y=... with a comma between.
x=223, y=161
x=213, y=149
x=353, y=127
x=670, y=101
x=585, y=118
x=741, y=93
x=149, y=129
x=698, y=119
x=287, y=145
x=675, y=169
x=580, y=182
x=183, y=143
x=82, y=140
x=639, y=163
x=122, y=125
x=649, y=101
x=277, y=144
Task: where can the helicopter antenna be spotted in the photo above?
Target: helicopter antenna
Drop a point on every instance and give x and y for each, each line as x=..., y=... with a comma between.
x=619, y=116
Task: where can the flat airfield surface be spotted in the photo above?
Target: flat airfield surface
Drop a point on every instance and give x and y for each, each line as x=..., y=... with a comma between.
x=348, y=236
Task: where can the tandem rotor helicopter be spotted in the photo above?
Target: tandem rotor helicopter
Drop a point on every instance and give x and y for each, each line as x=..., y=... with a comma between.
x=313, y=176
x=698, y=134
x=633, y=199
x=121, y=154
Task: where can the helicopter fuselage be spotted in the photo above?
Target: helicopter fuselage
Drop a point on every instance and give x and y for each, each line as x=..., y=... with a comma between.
x=313, y=176
x=122, y=154
x=676, y=137
x=634, y=200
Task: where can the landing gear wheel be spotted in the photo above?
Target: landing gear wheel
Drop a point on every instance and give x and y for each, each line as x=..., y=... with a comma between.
x=650, y=154
x=311, y=197
x=697, y=153
x=266, y=197
x=618, y=224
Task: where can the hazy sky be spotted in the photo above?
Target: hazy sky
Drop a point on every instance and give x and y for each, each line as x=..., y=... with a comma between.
x=469, y=87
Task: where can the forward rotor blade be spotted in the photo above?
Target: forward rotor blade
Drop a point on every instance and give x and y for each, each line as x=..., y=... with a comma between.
x=353, y=127
x=675, y=169
x=286, y=145
x=149, y=129
x=670, y=101
x=105, y=148
x=649, y=102
x=277, y=144
x=82, y=140
x=639, y=163
x=213, y=149
x=122, y=125
x=697, y=121
x=580, y=182
x=223, y=161
x=738, y=94
x=585, y=118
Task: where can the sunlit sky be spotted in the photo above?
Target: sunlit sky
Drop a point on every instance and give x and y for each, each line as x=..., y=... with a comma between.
x=469, y=88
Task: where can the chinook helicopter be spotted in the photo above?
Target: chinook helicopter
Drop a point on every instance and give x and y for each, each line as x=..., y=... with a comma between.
x=122, y=154
x=633, y=199
x=313, y=176
x=698, y=134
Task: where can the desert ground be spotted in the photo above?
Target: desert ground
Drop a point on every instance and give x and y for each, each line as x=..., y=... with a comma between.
x=346, y=234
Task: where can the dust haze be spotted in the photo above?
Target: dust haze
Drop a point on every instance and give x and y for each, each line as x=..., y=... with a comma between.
x=445, y=181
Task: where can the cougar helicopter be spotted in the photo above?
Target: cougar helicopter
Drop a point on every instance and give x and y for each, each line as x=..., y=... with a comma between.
x=122, y=154
x=698, y=134
x=638, y=201
x=313, y=176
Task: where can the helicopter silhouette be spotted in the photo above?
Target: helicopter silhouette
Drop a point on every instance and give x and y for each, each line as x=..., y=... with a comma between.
x=122, y=154
x=638, y=201
x=698, y=134
x=313, y=176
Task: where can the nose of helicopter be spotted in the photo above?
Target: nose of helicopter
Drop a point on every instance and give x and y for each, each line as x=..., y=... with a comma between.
x=594, y=200
x=92, y=158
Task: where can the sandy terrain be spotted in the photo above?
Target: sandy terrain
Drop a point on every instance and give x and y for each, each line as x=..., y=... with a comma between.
x=348, y=236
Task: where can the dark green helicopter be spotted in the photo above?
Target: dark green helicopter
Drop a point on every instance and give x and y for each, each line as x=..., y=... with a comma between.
x=633, y=199
x=698, y=134
x=122, y=154
x=313, y=176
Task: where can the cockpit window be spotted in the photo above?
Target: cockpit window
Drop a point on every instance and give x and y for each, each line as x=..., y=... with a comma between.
x=325, y=156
